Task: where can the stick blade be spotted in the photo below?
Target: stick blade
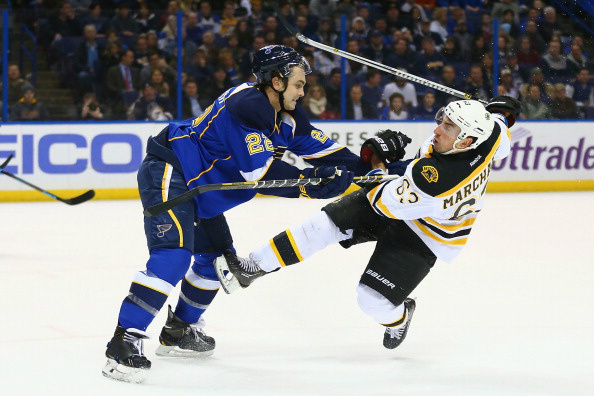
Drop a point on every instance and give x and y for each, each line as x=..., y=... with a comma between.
x=84, y=197
x=228, y=282
x=5, y=163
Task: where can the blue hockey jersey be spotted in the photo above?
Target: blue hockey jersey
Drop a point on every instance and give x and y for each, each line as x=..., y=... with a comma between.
x=238, y=137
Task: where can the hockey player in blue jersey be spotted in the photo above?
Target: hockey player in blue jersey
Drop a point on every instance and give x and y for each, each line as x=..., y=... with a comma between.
x=240, y=137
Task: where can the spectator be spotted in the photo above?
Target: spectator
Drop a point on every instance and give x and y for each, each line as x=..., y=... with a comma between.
x=16, y=84
x=207, y=21
x=90, y=109
x=582, y=90
x=463, y=38
x=156, y=61
x=198, y=68
x=158, y=82
x=141, y=51
x=151, y=106
x=503, y=7
x=96, y=18
x=476, y=85
x=487, y=66
x=64, y=24
x=424, y=33
x=210, y=47
x=451, y=52
x=546, y=89
x=533, y=107
x=227, y=62
x=393, y=18
x=322, y=8
x=28, y=108
x=245, y=64
x=549, y=27
x=428, y=107
x=123, y=23
x=395, y=110
x=168, y=40
x=257, y=18
x=554, y=64
x=88, y=62
x=402, y=56
x=193, y=103
x=372, y=90
x=122, y=84
x=145, y=19
x=325, y=62
x=510, y=23
x=359, y=31
x=376, y=50
x=170, y=11
x=576, y=60
x=354, y=68
x=536, y=41
x=438, y=25
x=478, y=49
x=527, y=56
x=430, y=62
x=448, y=79
x=333, y=91
x=219, y=84
x=357, y=109
x=244, y=34
x=563, y=107
x=404, y=87
x=228, y=19
x=519, y=74
x=315, y=101
x=506, y=86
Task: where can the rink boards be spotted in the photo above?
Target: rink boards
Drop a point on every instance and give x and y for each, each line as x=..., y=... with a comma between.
x=67, y=158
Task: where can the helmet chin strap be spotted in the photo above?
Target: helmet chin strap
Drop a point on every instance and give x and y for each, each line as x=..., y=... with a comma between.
x=281, y=97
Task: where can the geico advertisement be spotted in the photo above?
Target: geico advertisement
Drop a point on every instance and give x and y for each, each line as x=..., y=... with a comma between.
x=97, y=155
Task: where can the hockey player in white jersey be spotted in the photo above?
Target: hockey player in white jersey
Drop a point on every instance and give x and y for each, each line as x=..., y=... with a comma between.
x=426, y=214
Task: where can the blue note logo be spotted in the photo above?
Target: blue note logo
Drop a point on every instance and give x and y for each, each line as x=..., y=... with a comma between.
x=163, y=228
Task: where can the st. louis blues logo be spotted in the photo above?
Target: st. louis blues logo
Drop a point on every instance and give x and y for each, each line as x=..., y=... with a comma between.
x=430, y=173
x=163, y=228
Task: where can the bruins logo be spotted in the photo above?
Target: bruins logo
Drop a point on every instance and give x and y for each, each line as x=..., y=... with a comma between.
x=430, y=173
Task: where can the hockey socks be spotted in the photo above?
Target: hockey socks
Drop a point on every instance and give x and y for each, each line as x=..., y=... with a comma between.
x=298, y=243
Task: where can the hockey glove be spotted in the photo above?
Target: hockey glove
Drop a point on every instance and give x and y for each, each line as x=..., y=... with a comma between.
x=506, y=105
x=340, y=177
x=388, y=146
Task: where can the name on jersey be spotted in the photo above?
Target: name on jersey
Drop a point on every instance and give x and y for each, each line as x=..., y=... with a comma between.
x=468, y=189
x=380, y=278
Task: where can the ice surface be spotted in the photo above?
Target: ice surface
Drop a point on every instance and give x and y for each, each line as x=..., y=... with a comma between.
x=513, y=315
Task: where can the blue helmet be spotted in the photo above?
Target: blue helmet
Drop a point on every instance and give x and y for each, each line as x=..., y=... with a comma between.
x=277, y=58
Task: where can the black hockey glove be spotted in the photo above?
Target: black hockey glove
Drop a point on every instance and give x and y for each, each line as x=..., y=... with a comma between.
x=341, y=179
x=506, y=105
x=387, y=145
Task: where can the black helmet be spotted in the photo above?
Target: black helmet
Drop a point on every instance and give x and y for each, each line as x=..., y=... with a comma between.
x=276, y=57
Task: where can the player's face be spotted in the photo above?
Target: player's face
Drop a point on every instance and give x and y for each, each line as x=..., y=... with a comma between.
x=445, y=135
x=294, y=89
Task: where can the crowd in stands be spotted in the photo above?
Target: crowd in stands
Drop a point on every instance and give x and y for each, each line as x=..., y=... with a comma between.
x=120, y=56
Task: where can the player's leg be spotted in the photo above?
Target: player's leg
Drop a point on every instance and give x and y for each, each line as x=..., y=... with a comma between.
x=170, y=242
x=398, y=264
x=346, y=219
x=199, y=287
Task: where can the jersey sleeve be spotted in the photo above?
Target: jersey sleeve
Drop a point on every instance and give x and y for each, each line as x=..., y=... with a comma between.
x=316, y=148
x=505, y=143
x=403, y=199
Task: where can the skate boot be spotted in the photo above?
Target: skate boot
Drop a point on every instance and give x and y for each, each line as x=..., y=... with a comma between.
x=395, y=335
x=125, y=356
x=244, y=271
x=182, y=339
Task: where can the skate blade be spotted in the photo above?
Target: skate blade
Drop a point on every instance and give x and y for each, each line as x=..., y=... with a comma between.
x=119, y=372
x=175, y=351
x=228, y=282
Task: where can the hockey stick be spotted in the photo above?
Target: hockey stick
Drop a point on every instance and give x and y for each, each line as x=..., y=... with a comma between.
x=165, y=206
x=72, y=201
x=374, y=64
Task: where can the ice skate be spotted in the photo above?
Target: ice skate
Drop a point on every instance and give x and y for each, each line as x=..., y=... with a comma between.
x=125, y=356
x=234, y=271
x=182, y=339
x=395, y=335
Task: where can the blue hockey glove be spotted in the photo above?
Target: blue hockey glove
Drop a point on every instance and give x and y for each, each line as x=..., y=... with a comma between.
x=341, y=180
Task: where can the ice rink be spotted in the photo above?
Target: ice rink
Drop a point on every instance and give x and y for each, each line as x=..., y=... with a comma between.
x=513, y=315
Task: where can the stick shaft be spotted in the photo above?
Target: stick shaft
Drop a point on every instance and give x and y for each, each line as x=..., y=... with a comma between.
x=377, y=65
x=167, y=205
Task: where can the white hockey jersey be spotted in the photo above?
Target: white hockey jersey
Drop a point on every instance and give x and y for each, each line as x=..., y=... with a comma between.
x=439, y=196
